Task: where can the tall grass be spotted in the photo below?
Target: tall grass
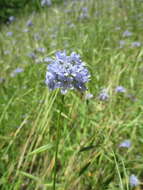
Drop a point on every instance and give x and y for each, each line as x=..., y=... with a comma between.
x=89, y=155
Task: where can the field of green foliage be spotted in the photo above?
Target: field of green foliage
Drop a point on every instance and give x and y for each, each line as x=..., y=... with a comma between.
x=91, y=140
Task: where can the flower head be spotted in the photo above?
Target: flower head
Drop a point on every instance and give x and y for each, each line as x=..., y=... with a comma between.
x=127, y=33
x=84, y=13
x=9, y=33
x=2, y=80
x=88, y=96
x=6, y=52
x=66, y=72
x=29, y=23
x=134, y=181
x=37, y=37
x=46, y=3
x=16, y=71
x=122, y=43
x=120, y=89
x=11, y=19
x=32, y=55
x=40, y=50
x=125, y=144
x=104, y=95
x=136, y=44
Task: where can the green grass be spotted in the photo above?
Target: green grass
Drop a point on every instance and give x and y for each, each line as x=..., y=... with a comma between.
x=89, y=156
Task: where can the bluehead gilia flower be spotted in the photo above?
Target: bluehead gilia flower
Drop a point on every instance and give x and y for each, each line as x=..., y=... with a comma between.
x=29, y=23
x=104, y=95
x=134, y=181
x=17, y=71
x=9, y=33
x=41, y=50
x=46, y=3
x=136, y=44
x=2, y=80
x=84, y=13
x=66, y=72
x=32, y=55
x=7, y=52
x=37, y=37
x=125, y=144
x=127, y=33
x=122, y=43
x=88, y=96
x=11, y=19
x=120, y=89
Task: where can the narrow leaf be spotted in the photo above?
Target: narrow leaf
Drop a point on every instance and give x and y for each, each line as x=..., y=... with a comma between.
x=41, y=149
x=86, y=148
x=84, y=168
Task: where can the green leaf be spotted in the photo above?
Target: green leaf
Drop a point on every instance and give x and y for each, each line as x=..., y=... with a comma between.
x=29, y=175
x=86, y=148
x=84, y=168
x=41, y=149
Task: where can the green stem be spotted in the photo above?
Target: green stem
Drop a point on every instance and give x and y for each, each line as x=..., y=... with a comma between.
x=57, y=145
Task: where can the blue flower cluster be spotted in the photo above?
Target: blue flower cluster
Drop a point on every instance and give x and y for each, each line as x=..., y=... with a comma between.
x=134, y=181
x=46, y=3
x=66, y=72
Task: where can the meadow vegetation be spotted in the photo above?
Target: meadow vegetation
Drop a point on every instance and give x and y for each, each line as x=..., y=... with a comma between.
x=101, y=143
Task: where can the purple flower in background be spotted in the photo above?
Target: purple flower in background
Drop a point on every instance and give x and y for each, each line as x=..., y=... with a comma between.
x=84, y=14
x=104, y=95
x=46, y=3
x=88, y=96
x=7, y=52
x=125, y=144
x=41, y=50
x=136, y=44
x=67, y=72
x=121, y=43
x=48, y=59
x=29, y=23
x=134, y=181
x=2, y=80
x=120, y=89
x=127, y=33
x=32, y=55
x=37, y=36
x=9, y=33
x=11, y=19
x=16, y=71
